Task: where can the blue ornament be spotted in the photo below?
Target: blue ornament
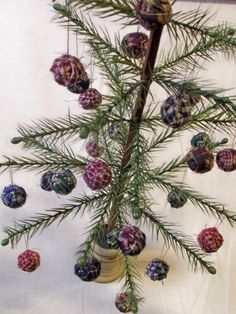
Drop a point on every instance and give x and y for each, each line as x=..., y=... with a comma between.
x=13, y=196
x=46, y=181
x=88, y=271
x=63, y=181
x=200, y=140
x=176, y=199
x=157, y=269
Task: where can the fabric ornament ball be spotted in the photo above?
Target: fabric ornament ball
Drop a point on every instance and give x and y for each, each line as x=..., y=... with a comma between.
x=93, y=149
x=131, y=240
x=210, y=240
x=90, y=99
x=153, y=13
x=200, y=159
x=226, y=159
x=81, y=85
x=112, y=239
x=29, y=261
x=176, y=199
x=67, y=70
x=97, y=174
x=123, y=303
x=46, y=181
x=88, y=271
x=63, y=181
x=135, y=44
x=176, y=111
x=200, y=140
x=14, y=196
x=157, y=269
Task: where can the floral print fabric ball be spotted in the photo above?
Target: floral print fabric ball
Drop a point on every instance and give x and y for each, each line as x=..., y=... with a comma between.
x=210, y=240
x=29, y=261
x=67, y=70
x=131, y=240
x=135, y=44
x=63, y=181
x=88, y=271
x=90, y=99
x=123, y=303
x=13, y=196
x=157, y=269
x=97, y=175
x=176, y=199
x=80, y=85
x=46, y=181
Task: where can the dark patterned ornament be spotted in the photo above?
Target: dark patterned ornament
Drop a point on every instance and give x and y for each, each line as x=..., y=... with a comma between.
x=81, y=85
x=90, y=99
x=112, y=239
x=131, y=240
x=176, y=199
x=210, y=240
x=153, y=13
x=93, y=149
x=226, y=159
x=67, y=70
x=88, y=271
x=157, y=269
x=135, y=44
x=14, y=196
x=200, y=140
x=176, y=111
x=46, y=181
x=29, y=261
x=97, y=175
x=63, y=181
x=200, y=159
x=123, y=303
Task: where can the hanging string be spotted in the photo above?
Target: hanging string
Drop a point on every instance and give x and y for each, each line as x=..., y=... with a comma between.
x=68, y=29
x=76, y=45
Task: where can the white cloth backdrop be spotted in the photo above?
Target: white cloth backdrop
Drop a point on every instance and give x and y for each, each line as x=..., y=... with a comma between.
x=29, y=43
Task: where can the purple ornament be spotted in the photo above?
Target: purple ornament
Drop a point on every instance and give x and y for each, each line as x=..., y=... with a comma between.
x=131, y=240
x=123, y=303
x=157, y=269
x=135, y=44
x=90, y=99
x=97, y=174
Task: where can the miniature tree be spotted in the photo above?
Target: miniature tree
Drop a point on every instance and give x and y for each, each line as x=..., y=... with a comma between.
x=123, y=129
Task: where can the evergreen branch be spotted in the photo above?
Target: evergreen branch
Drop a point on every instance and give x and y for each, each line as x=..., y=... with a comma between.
x=204, y=203
x=174, y=165
x=29, y=227
x=180, y=242
x=107, y=8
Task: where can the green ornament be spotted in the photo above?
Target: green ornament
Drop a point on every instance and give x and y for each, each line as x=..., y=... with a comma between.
x=84, y=132
x=136, y=213
x=5, y=242
x=16, y=140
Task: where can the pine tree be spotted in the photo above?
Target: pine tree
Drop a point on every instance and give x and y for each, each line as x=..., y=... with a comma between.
x=126, y=130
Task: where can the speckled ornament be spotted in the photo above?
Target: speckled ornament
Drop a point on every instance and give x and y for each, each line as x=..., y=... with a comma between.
x=81, y=85
x=226, y=159
x=93, y=149
x=200, y=140
x=131, y=240
x=200, y=159
x=157, y=269
x=13, y=196
x=67, y=70
x=97, y=174
x=29, y=261
x=123, y=303
x=176, y=199
x=63, y=181
x=46, y=181
x=135, y=44
x=88, y=271
x=176, y=111
x=153, y=13
x=112, y=239
x=210, y=240
x=90, y=99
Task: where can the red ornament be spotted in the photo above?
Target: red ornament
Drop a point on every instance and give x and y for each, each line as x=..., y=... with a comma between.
x=210, y=240
x=93, y=149
x=97, y=174
x=226, y=159
x=200, y=159
x=90, y=99
x=29, y=261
